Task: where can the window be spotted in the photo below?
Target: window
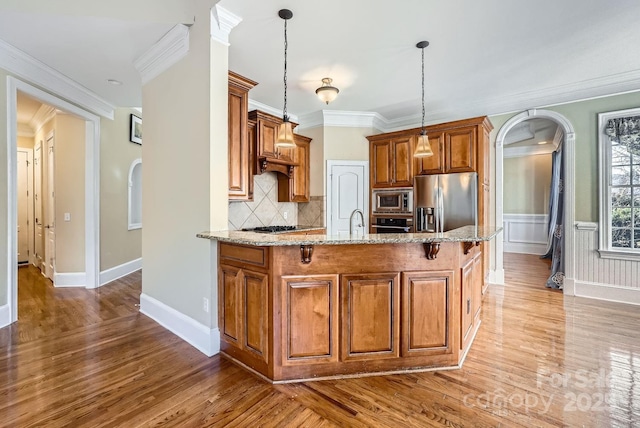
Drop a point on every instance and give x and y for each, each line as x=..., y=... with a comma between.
x=619, y=142
x=135, y=195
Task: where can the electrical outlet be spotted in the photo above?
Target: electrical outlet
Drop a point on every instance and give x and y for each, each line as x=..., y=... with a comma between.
x=285, y=215
x=205, y=304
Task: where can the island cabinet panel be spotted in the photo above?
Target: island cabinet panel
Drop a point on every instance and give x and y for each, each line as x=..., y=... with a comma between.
x=427, y=308
x=478, y=283
x=255, y=307
x=370, y=316
x=244, y=314
x=309, y=319
x=466, y=317
x=230, y=315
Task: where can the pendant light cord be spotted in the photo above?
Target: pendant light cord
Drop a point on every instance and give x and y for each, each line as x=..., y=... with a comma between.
x=286, y=45
x=422, y=90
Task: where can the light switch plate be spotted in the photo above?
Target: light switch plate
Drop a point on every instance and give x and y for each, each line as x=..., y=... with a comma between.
x=67, y=216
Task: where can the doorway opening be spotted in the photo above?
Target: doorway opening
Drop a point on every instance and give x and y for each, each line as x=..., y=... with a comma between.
x=88, y=274
x=565, y=136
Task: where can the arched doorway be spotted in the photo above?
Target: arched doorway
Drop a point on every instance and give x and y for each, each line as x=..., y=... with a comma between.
x=569, y=194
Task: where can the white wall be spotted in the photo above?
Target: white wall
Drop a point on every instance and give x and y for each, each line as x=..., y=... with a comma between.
x=185, y=185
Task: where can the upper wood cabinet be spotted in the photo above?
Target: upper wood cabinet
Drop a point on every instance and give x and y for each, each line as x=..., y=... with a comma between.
x=296, y=187
x=460, y=150
x=267, y=156
x=391, y=162
x=240, y=151
x=431, y=164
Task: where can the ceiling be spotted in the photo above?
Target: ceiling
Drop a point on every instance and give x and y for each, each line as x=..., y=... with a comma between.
x=487, y=57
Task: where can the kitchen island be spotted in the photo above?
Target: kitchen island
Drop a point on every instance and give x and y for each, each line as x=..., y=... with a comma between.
x=300, y=307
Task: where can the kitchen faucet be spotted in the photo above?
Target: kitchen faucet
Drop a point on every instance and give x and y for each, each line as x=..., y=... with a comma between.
x=356, y=211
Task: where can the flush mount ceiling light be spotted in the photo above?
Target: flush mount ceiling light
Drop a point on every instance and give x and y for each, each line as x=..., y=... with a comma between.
x=326, y=92
x=423, y=148
x=285, y=131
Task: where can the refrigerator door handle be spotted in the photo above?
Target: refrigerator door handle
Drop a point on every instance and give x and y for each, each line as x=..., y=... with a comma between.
x=440, y=215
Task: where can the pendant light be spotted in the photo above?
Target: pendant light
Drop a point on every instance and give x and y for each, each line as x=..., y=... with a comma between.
x=326, y=92
x=285, y=130
x=423, y=149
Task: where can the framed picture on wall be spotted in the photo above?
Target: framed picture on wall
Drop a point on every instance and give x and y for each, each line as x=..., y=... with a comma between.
x=135, y=133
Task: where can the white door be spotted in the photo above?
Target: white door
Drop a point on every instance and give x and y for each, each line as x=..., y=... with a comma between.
x=37, y=201
x=50, y=250
x=347, y=190
x=23, y=206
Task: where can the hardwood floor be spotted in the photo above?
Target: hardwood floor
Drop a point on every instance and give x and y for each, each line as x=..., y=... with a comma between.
x=79, y=357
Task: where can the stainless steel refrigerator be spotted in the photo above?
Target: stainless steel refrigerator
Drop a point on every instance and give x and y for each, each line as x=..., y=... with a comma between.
x=445, y=201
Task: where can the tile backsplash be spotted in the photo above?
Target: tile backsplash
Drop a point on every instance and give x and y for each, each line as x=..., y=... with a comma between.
x=264, y=210
x=312, y=212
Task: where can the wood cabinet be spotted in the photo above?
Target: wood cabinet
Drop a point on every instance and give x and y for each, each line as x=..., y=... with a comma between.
x=296, y=187
x=427, y=308
x=370, y=321
x=240, y=150
x=431, y=164
x=471, y=296
x=309, y=319
x=347, y=309
x=267, y=156
x=243, y=304
x=392, y=162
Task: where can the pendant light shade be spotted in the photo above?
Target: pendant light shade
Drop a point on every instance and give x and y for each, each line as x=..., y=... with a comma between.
x=285, y=135
x=423, y=148
x=285, y=130
x=326, y=92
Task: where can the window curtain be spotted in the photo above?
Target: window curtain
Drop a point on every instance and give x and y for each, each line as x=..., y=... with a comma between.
x=625, y=131
x=555, y=247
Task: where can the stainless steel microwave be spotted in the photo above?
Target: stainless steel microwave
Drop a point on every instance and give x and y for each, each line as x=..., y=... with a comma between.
x=398, y=200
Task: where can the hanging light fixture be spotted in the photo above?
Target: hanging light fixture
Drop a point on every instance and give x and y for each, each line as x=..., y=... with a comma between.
x=326, y=92
x=423, y=149
x=285, y=131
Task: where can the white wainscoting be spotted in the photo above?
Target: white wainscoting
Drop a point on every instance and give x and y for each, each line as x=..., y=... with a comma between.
x=606, y=279
x=525, y=233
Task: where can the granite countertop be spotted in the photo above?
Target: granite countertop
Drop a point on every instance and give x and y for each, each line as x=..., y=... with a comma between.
x=462, y=234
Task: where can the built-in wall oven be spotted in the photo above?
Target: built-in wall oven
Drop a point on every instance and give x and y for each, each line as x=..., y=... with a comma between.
x=393, y=225
x=397, y=200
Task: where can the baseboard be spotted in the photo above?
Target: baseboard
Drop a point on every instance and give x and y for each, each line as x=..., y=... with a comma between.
x=610, y=293
x=496, y=276
x=5, y=315
x=525, y=248
x=73, y=279
x=203, y=338
x=119, y=271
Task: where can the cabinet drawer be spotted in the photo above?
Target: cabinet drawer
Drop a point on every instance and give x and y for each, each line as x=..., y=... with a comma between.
x=243, y=254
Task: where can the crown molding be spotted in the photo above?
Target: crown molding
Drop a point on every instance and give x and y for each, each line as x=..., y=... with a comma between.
x=222, y=22
x=170, y=49
x=531, y=150
x=256, y=105
x=44, y=114
x=24, y=130
x=38, y=73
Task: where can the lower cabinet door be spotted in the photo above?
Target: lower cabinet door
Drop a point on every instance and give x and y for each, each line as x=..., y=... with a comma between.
x=466, y=317
x=309, y=319
x=478, y=282
x=370, y=316
x=229, y=309
x=427, y=309
x=255, y=313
